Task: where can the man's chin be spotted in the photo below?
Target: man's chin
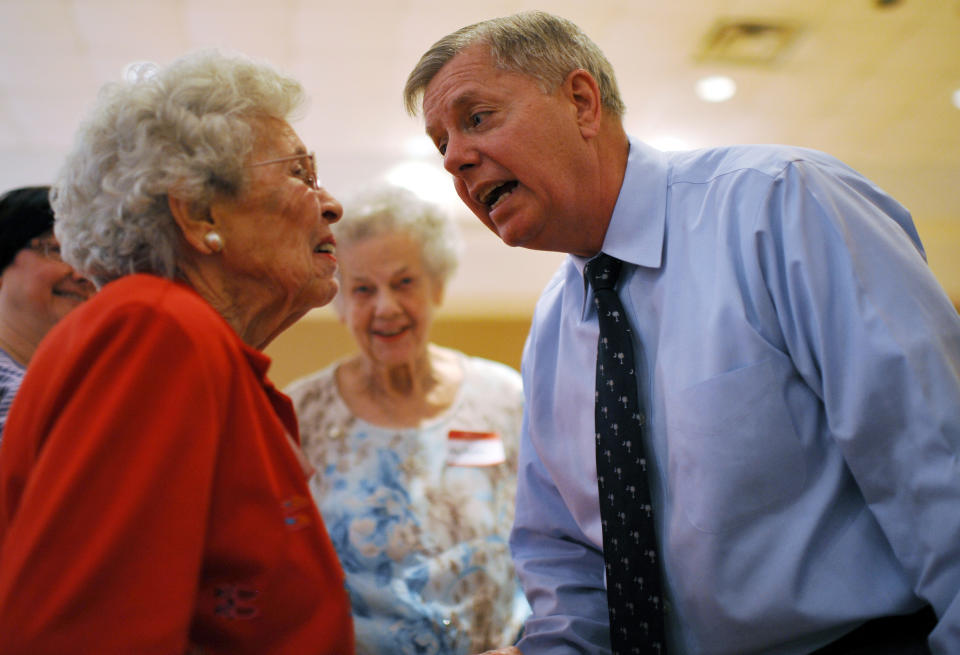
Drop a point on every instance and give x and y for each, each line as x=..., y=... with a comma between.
x=515, y=236
x=514, y=232
x=507, y=231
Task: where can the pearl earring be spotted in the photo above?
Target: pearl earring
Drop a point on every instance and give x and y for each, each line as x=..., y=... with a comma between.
x=213, y=240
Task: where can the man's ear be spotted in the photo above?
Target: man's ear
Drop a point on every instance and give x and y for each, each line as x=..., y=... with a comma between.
x=194, y=222
x=583, y=90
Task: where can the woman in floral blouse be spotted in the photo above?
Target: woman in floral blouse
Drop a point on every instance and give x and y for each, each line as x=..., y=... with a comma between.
x=414, y=446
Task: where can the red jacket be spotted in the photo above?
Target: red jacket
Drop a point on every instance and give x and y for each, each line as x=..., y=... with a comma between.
x=149, y=499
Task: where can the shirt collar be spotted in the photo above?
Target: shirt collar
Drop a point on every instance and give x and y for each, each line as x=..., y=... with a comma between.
x=636, y=229
x=637, y=226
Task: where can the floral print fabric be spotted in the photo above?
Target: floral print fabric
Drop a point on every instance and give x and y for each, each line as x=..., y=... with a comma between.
x=423, y=542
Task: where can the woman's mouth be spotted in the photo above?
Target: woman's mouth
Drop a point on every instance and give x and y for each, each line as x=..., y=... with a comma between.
x=390, y=334
x=76, y=296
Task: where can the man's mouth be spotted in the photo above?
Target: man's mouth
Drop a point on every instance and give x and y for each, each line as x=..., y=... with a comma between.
x=496, y=195
x=326, y=248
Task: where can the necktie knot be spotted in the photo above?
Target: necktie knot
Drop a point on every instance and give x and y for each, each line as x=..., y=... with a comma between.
x=603, y=271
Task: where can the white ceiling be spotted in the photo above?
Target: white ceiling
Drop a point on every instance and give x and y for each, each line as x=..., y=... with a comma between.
x=871, y=85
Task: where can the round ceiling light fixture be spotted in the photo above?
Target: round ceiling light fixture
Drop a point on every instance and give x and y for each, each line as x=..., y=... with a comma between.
x=716, y=88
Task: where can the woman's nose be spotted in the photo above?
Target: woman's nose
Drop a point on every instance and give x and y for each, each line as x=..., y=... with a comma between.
x=386, y=303
x=330, y=207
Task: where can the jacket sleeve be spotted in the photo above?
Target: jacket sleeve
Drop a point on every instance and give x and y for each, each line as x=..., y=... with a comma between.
x=106, y=480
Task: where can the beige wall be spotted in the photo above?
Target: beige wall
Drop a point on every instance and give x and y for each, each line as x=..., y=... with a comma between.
x=320, y=338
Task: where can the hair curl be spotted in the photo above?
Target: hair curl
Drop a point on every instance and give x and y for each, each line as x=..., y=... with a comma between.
x=533, y=43
x=185, y=128
x=389, y=210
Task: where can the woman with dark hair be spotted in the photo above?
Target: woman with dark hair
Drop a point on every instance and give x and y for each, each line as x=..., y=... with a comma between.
x=37, y=288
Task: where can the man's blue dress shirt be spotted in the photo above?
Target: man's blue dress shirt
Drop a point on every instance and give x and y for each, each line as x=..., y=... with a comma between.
x=800, y=367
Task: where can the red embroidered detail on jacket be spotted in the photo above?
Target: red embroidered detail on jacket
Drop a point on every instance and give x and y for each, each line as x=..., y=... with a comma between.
x=236, y=602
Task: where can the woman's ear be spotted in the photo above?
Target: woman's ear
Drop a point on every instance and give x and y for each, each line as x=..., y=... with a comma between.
x=438, y=289
x=584, y=92
x=194, y=223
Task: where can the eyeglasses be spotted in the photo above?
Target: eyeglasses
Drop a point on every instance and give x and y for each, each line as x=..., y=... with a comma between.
x=308, y=174
x=46, y=248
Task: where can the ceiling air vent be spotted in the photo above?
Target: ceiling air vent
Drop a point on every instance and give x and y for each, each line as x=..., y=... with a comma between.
x=746, y=41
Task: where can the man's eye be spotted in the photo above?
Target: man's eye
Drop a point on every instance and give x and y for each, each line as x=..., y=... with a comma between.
x=442, y=147
x=476, y=119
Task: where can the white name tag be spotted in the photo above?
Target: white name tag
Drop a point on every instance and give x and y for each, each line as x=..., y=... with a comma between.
x=474, y=448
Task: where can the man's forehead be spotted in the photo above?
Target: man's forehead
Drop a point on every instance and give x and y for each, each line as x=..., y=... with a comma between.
x=473, y=62
x=469, y=94
x=459, y=85
x=450, y=97
x=437, y=110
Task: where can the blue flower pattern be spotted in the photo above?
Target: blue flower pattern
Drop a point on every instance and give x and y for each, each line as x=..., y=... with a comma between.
x=423, y=544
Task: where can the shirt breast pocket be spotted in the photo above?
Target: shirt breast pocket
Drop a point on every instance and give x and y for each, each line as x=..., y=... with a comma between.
x=734, y=452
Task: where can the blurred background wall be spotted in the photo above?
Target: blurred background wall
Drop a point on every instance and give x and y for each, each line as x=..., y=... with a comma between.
x=321, y=339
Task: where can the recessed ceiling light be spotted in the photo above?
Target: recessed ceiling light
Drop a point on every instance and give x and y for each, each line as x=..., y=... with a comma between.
x=956, y=98
x=716, y=88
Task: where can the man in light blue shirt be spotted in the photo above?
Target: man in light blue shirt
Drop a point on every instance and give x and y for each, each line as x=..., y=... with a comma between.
x=798, y=362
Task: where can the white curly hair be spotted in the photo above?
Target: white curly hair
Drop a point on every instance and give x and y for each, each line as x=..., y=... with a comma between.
x=186, y=127
x=390, y=209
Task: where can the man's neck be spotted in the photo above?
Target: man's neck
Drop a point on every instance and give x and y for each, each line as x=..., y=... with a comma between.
x=614, y=150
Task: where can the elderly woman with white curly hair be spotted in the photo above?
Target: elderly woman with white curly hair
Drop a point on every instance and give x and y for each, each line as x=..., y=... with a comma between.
x=415, y=445
x=152, y=495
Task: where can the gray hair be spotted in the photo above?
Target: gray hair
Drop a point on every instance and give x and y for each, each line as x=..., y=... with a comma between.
x=184, y=128
x=533, y=43
x=395, y=210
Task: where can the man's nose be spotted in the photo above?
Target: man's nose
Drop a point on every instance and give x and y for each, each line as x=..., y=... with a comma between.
x=459, y=155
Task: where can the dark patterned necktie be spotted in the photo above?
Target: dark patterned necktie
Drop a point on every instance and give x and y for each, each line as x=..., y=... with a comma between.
x=630, y=554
